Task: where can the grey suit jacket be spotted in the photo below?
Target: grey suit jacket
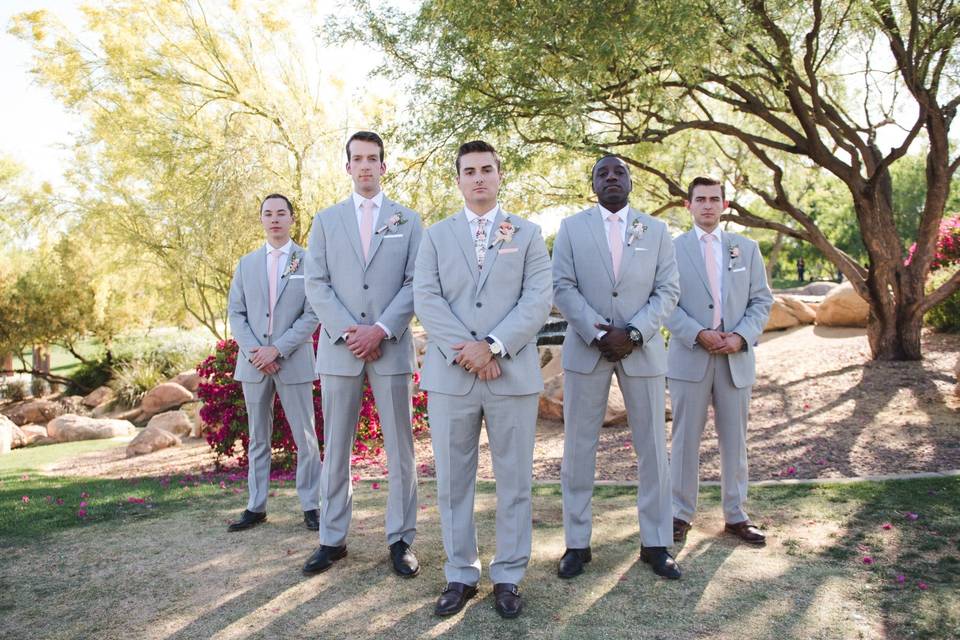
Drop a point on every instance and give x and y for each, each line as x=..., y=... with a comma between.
x=585, y=291
x=345, y=289
x=456, y=302
x=746, y=307
x=293, y=319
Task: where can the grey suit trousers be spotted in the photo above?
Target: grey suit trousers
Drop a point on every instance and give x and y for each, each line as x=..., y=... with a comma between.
x=297, y=402
x=585, y=402
x=731, y=406
x=455, y=430
x=342, y=396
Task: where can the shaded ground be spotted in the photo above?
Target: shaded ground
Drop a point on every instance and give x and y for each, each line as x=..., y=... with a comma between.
x=817, y=408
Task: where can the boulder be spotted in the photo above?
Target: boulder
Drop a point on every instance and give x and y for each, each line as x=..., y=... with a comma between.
x=550, y=361
x=164, y=396
x=818, y=288
x=197, y=427
x=616, y=407
x=6, y=434
x=71, y=427
x=189, y=380
x=151, y=439
x=956, y=374
x=780, y=316
x=843, y=307
x=99, y=396
x=551, y=402
x=175, y=422
x=33, y=434
x=800, y=309
x=40, y=411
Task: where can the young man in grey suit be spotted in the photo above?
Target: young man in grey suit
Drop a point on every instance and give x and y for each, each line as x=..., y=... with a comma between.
x=615, y=281
x=724, y=305
x=360, y=283
x=273, y=325
x=482, y=291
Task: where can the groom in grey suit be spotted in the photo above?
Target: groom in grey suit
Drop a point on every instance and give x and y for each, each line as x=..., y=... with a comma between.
x=273, y=325
x=360, y=283
x=482, y=291
x=615, y=281
x=724, y=305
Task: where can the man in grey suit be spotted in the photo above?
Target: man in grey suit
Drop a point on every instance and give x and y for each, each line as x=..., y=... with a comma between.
x=482, y=291
x=360, y=283
x=615, y=281
x=273, y=325
x=724, y=305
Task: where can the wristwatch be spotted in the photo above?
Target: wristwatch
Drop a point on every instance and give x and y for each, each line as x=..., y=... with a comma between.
x=494, y=346
x=635, y=336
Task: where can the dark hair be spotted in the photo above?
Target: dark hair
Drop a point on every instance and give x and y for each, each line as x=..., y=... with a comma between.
x=281, y=197
x=602, y=158
x=701, y=181
x=476, y=146
x=368, y=136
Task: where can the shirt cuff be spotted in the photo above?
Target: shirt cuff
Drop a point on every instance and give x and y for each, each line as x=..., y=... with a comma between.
x=600, y=335
x=385, y=329
x=499, y=344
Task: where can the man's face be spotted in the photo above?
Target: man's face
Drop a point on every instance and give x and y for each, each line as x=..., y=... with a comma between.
x=479, y=180
x=276, y=219
x=364, y=167
x=706, y=206
x=611, y=181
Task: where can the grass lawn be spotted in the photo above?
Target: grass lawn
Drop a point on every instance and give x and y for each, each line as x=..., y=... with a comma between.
x=151, y=558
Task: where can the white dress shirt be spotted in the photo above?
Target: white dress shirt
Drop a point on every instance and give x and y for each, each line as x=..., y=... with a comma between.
x=623, y=214
x=717, y=254
x=377, y=201
x=488, y=219
x=281, y=263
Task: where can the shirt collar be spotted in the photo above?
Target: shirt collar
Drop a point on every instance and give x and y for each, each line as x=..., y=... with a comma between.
x=377, y=200
x=489, y=216
x=700, y=233
x=285, y=248
x=622, y=214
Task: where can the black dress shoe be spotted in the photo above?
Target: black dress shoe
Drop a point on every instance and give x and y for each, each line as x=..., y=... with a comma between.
x=507, y=599
x=323, y=558
x=311, y=519
x=571, y=564
x=660, y=561
x=453, y=598
x=404, y=562
x=680, y=530
x=247, y=519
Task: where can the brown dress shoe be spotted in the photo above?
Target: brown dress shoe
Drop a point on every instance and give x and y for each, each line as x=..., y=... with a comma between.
x=507, y=599
x=453, y=598
x=680, y=529
x=746, y=532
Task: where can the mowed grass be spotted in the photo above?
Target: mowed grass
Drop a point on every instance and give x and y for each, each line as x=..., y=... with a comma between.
x=151, y=558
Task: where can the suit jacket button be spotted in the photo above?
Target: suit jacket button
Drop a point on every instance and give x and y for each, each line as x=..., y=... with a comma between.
x=607, y=319
x=363, y=315
x=614, y=294
x=366, y=286
x=479, y=304
x=264, y=335
x=473, y=333
x=709, y=306
x=268, y=314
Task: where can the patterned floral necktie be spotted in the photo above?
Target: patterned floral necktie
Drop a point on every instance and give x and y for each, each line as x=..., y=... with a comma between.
x=480, y=242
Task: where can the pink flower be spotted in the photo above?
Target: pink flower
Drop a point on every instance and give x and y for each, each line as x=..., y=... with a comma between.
x=25, y=499
x=82, y=513
x=923, y=586
x=791, y=470
x=901, y=579
x=867, y=560
x=59, y=501
x=134, y=500
x=375, y=485
x=83, y=504
x=887, y=526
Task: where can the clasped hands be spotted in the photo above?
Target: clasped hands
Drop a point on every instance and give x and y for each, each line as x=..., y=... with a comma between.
x=265, y=359
x=720, y=342
x=615, y=344
x=364, y=340
x=476, y=357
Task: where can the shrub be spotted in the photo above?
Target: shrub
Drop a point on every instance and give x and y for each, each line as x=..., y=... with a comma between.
x=947, y=252
x=224, y=410
x=134, y=379
x=38, y=387
x=90, y=375
x=946, y=315
x=14, y=389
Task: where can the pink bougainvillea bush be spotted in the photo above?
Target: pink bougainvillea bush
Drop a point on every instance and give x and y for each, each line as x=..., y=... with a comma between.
x=947, y=252
x=225, y=413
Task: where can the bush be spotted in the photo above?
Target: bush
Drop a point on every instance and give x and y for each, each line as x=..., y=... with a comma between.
x=38, y=387
x=132, y=380
x=14, y=389
x=88, y=376
x=946, y=315
x=224, y=410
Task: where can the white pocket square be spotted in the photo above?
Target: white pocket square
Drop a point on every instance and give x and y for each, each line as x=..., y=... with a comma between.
x=640, y=249
x=300, y=277
x=510, y=250
x=740, y=269
x=393, y=235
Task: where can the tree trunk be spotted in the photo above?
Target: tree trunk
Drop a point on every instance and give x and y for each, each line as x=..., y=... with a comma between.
x=893, y=329
x=774, y=255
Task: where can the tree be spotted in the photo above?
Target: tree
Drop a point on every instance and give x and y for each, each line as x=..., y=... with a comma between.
x=788, y=87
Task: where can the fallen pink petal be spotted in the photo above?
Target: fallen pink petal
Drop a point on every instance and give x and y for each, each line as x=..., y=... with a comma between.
x=82, y=513
x=887, y=526
x=911, y=516
x=901, y=579
x=867, y=560
x=25, y=499
x=375, y=485
x=923, y=586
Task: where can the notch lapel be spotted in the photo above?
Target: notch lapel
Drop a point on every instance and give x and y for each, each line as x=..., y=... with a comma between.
x=461, y=234
x=628, y=252
x=295, y=251
x=726, y=276
x=595, y=224
x=348, y=220
x=691, y=247
x=260, y=269
x=387, y=209
x=491, y=256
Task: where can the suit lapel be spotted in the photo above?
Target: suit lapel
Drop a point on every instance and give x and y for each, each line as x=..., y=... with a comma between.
x=595, y=224
x=461, y=234
x=387, y=209
x=284, y=279
x=628, y=251
x=726, y=276
x=692, y=248
x=348, y=219
x=260, y=268
x=492, y=251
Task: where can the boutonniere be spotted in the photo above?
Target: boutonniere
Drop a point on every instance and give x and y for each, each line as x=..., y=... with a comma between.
x=395, y=221
x=293, y=266
x=504, y=232
x=636, y=231
x=734, y=254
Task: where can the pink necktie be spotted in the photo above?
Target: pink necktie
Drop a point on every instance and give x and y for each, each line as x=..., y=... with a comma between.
x=615, y=238
x=272, y=265
x=366, y=226
x=713, y=276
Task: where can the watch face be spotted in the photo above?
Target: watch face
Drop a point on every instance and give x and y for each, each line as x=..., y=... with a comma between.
x=635, y=335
